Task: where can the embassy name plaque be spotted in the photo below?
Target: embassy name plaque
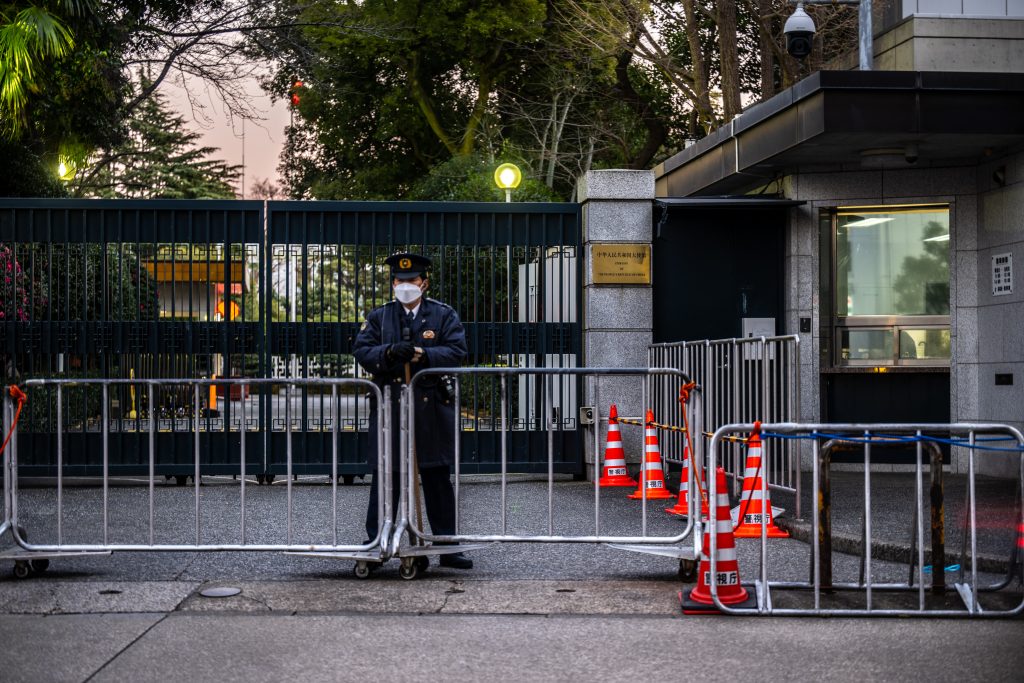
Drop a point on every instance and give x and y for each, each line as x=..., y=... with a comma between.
x=621, y=264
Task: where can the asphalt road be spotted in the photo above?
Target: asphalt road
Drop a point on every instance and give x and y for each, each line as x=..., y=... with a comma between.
x=312, y=521
x=525, y=612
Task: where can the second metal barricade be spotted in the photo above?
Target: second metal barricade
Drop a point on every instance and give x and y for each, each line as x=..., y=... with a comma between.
x=673, y=545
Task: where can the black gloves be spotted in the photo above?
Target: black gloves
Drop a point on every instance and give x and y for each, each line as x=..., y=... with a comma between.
x=401, y=352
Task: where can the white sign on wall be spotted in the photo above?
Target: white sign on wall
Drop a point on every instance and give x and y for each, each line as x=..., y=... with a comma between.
x=1002, y=274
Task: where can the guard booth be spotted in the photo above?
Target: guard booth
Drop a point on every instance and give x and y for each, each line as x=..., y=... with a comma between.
x=721, y=268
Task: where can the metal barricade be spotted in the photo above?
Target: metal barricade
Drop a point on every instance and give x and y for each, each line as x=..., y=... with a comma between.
x=29, y=557
x=973, y=437
x=668, y=546
x=745, y=379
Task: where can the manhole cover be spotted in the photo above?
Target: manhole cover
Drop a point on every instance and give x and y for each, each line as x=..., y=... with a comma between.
x=220, y=592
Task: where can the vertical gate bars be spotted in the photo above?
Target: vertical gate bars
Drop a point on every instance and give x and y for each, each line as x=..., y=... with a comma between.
x=518, y=297
x=744, y=380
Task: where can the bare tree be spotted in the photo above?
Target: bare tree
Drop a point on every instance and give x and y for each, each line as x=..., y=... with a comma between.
x=265, y=188
x=737, y=45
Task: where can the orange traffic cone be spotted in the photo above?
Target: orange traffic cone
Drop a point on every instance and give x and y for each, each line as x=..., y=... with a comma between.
x=730, y=591
x=751, y=506
x=655, y=477
x=682, y=506
x=615, y=473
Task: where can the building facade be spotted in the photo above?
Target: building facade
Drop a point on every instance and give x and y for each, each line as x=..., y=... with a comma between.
x=880, y=214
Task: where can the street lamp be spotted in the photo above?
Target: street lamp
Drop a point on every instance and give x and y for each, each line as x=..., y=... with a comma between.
x=66, y=169
x=508, y=177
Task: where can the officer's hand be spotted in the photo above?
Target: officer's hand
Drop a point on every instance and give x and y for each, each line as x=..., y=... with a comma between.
x=401, y=352
x=417, y=355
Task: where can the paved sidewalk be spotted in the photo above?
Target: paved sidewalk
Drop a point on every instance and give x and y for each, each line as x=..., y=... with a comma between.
x=527, y=611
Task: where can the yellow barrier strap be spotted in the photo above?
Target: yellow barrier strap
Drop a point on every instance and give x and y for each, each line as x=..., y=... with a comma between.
x=736, y=439
x=674, y=428
x=657, y=425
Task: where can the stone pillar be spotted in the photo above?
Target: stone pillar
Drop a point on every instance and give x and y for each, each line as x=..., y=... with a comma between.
x=617, y=319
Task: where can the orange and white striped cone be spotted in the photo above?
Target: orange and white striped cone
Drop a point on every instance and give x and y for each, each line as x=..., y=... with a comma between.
x=655, y=476
x=615, y=473
x=727, y=568
x=682, y=506
x=752, y=507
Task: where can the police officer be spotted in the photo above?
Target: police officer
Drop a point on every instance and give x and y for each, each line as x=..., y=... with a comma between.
x=409, y=334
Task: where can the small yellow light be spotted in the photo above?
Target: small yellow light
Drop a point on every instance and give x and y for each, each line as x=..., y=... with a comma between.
x=66, y=169
x=507, y=176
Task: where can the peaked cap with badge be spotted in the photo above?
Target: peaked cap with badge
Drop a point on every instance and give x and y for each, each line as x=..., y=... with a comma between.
x=406, y=265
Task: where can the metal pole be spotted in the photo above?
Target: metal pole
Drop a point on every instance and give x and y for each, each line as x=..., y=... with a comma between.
x=335, y=417
x=8, y=472
x=793, y=416
x=596, y=390
x=550, y=412
x=866, y=47
x=60, y=473
x=195, y=450
x=643, y=465
x=919, y=524
x=458, y=448
x=816, y=529
x=504, y=456
x=288, y=454
x=975, y=608
x=106, y=465
x=241, y=461
x=152, y=455
x=867, y=515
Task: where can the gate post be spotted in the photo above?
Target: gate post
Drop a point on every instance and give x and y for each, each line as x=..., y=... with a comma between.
x=617, y=209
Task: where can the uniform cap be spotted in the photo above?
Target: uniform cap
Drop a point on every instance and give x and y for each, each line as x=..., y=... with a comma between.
x=406, y=266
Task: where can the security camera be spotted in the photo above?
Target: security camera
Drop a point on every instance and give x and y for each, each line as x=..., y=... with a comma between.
x=799, y=30
x=910, y=153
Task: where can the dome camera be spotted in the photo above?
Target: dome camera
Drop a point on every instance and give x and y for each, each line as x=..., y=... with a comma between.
x=911, y=153
x=799, y=30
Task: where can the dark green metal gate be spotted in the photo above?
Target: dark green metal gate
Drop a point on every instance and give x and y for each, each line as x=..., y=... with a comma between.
x=168, y=289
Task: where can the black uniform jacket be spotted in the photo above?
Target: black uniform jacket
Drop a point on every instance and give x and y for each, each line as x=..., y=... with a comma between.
x=438, y=331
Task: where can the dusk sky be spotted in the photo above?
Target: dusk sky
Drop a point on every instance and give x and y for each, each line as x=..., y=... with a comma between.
x=263, y=139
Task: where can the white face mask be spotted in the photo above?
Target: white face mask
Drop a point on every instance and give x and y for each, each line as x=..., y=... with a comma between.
x=407, y=293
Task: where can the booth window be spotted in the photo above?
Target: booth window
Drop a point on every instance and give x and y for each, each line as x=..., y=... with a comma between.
x=889, y=285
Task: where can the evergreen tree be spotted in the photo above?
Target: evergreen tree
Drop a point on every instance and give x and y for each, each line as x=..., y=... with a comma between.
x=159, y=159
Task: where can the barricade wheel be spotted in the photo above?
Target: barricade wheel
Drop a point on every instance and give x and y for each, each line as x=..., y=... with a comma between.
x=39, y=566
x=688, y=570
x=362, y=570
x=409, y=570
x=22, y=570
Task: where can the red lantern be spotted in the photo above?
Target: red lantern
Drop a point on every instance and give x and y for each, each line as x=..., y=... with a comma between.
x=296, y=84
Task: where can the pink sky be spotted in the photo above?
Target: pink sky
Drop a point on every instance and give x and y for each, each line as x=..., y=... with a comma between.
x=263, y=139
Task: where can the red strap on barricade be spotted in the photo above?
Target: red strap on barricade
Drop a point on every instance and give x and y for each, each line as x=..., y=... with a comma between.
x=18, y=395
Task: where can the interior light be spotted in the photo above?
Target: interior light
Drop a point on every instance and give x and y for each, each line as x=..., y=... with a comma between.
x=938, y=238
x=865, y=222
